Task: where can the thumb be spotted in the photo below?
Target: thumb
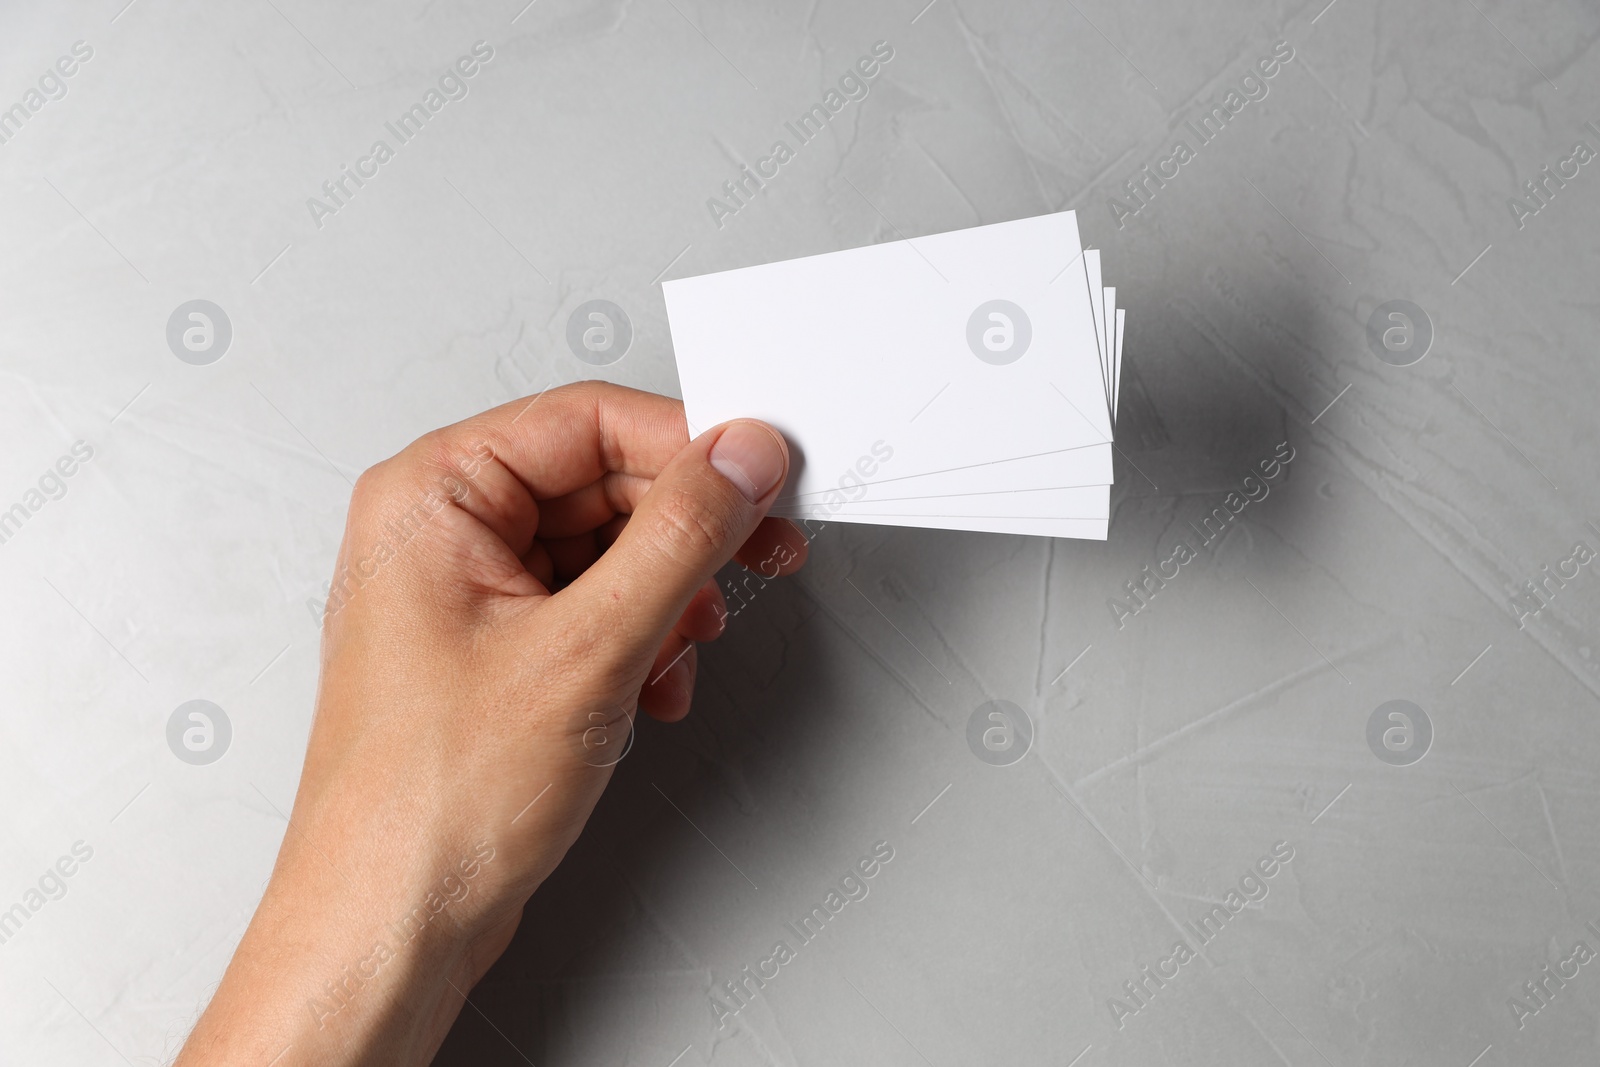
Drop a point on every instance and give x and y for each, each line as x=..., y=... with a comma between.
x=698, y=511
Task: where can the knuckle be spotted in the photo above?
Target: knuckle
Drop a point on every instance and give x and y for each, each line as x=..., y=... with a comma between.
x=372, y=486
x=585, y=390
x=437, y=455
x=692, y=526
x=408, y=488
x=579, y=396
x=436, y=463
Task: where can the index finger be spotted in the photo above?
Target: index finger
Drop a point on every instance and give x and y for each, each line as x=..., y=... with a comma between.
x=501, y=462
x=563, y=439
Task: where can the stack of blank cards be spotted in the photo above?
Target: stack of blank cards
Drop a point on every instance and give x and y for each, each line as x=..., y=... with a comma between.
x=961, y=381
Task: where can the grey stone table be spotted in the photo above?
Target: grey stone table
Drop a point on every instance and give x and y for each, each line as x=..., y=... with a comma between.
x=1357, y=242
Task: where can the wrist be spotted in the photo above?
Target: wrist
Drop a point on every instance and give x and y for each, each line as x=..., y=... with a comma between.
x=317, y=980
x=350, y=964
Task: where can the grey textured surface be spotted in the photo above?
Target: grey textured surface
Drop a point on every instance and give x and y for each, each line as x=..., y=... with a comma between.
x=1228, y=714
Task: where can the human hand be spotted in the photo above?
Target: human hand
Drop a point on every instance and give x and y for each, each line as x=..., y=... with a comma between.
x=509, y=591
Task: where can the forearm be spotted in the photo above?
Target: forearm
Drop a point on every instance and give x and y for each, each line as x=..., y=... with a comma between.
x=322, y=978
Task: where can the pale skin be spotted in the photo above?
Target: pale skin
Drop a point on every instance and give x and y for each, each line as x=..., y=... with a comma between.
x=557, y=583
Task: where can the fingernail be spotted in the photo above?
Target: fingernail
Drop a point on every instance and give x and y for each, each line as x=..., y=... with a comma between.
x=750, y=457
